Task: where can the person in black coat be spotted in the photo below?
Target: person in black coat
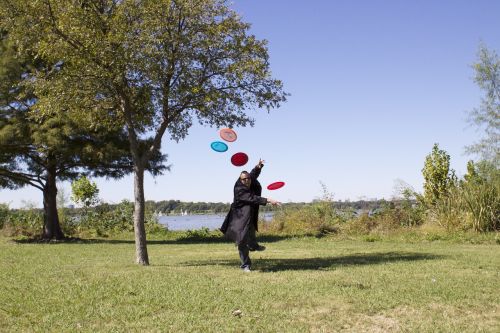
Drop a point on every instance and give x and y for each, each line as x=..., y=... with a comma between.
x=240, y=223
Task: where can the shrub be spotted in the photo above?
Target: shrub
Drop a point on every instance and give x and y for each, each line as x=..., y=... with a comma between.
x=22, y=222
x=474, y=203
x=363, y=224
x=480, y=193
x=318, y=218
x=202, y=233
x=106, y=219
x=448, y=212
x=437, y=175
x=4, y=213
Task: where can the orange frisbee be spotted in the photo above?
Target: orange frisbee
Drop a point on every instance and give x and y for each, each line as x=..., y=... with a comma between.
x=228, y=134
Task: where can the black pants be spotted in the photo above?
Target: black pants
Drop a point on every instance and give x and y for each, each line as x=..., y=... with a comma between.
x=243, y=249
x=252, y=238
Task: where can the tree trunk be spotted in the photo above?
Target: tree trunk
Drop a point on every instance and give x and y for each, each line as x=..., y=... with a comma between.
x=51, y=226
x=141, y=250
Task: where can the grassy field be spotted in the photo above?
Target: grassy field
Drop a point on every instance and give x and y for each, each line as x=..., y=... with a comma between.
x=298, y=285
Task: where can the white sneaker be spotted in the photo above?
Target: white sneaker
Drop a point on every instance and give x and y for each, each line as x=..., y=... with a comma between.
x=246, y=270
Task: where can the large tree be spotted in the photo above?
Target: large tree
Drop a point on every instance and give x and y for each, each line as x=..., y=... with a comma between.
x=40, y=150
x=487, y=115
x=151, y=66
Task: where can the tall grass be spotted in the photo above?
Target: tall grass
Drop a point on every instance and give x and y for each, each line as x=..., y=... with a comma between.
x=482, y=201
x=473, y=203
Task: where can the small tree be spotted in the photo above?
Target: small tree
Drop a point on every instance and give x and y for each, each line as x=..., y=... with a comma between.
x=437, y=175
x=84, y=192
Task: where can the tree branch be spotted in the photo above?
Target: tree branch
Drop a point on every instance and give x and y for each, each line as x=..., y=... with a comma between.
x=23, y=177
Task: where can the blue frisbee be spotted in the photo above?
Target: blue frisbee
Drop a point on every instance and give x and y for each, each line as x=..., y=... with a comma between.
x=219, y=146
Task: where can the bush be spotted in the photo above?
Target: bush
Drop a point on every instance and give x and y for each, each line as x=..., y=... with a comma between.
x=363, y=224
x=481, y=200
x=319, y=218
x=22, y=222
x=474, y=203
x=4, y=213
x=448, y=212
x=106, y=219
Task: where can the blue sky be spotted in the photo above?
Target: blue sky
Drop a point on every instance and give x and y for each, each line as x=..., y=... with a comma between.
x=373, y=84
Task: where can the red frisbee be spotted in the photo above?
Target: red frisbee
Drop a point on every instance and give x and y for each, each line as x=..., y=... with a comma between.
x=275, y=185
x=239, y=159
x=228, y=135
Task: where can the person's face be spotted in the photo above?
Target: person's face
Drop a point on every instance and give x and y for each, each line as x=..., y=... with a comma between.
x=245, y=179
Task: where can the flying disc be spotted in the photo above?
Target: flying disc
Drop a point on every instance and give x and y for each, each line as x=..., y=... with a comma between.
x=275, y=185
x=239, y=159
x=228, y=134
x=219, y=146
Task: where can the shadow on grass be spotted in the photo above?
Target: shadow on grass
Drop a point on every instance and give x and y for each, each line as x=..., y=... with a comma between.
x=184, y=238
x=323, y=263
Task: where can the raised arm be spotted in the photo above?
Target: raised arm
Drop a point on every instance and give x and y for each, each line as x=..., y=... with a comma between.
x=257, y=169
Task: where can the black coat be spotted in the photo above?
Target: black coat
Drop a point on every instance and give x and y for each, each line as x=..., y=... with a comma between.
x=256, y=189
x=244, y=209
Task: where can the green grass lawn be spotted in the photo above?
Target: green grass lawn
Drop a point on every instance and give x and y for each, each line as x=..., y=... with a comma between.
x=298, y=285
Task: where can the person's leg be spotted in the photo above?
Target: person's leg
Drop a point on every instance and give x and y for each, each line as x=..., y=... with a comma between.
x=244, y=251
x=252, y=238
x=252, y=241
x=244, y=256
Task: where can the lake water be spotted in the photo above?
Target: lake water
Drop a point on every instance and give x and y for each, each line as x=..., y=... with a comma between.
x=194, y=222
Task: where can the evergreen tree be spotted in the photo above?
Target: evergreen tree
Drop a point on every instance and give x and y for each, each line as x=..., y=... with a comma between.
x=38, y=150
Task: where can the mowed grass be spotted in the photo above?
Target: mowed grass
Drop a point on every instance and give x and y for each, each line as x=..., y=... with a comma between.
x=298, y=285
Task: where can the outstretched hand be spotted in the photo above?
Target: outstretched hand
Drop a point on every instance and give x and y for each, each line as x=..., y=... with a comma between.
x=261, y=163
x=273, y=202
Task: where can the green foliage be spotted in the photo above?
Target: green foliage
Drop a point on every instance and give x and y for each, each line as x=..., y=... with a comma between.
x=448, y=211
x=487, y=115
x=21, y=222
x=319, y=218
x=39, y=149
x=84, y=192
x=154, y=65
x=481, y=196
x=437, y=176
x=103, y=221
x=106, y=220
x=4, y=213
x=474, y=203
x=410, y=205
x=199, y=234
